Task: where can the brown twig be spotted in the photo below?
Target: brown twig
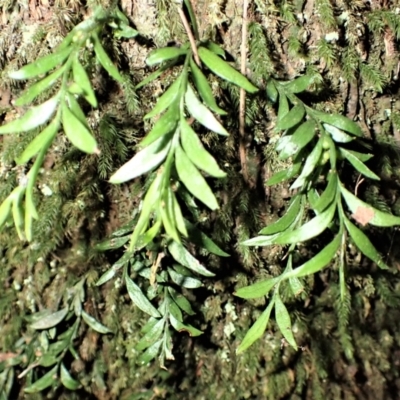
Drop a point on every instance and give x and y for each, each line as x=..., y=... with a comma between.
x=190, y=36
x=242, y=100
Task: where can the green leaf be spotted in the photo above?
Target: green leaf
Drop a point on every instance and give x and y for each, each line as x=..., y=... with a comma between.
x=284, y=175
x=195, y=150
x=82, y=79
x=18, y=215
x=143, y=161
x=292, y=118
x=183, y=280
x=77, y=132
x=164, y=54
x=181, y=301
x=264, y=240
x=304, y=133
x=318, y=262
x=166, y=209
x=166, y=99
x=300, y=84
x=309, y=166
x=379, y=218
x=33, y=118
x=286, y=147
x=76, y=109
x=201, y=239
x=139, y=299
x=284, y=222
x=177, y=213
x=339, y=121
x=193, y=180
x=216, y=49
x=67, y=380
x=202, y=113
x=358, y=164
x=224, y=70
x=180, y=327
x=151, y=198
x=105, y=60
x=309, y=230
x=256, y=330
x=42, y=65
x=28, y=95
x=364, y=157
x=182, y=256
x=113, y=243
x=272, y=92
x=361, y=240
x=94, y=324
x=283, y=108
x=337, y=134
x=151, y=336
x=5, y=209
x=167, y=123
x=125, y=31
x=258, y=289
x=204, y=88
x=329, y=193
x=150, y=353
x=283, y=321
x=44, y=382
x=40, y=141
x=50, y=320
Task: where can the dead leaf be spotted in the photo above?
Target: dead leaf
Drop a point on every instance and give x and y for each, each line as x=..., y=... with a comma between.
x=363, y=215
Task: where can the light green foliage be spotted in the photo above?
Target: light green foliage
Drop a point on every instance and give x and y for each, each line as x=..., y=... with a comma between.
x=100, y=276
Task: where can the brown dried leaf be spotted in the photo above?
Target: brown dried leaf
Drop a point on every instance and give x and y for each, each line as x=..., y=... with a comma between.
x=363, y=215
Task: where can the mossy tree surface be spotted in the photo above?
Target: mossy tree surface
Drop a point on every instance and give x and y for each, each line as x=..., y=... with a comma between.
x=345, y=319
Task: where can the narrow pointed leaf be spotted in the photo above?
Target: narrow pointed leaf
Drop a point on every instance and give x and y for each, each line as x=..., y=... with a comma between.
x=143, y=161
x=379, y=218
x=337, y=134
x=44, y=382
x=139, y=299
x=283, y=320
x=37, y=88
x=180, y=327
x=40, y=141
x=94, y=324
x=5, y=210
x=311, y=229
x=166, y=123
x=77, y=132
x=42, y=65
x=204, y=88
x=202, y=114
x=256, y=330
x=300, y=84
x=224, y=70
x=339, y=121
x=105, y=60
x=193, y=180
x=82, y=79
x=284, y=222
x=50, y=320
x=309, y=166
x=151, y=352
x=358, y=164
x=195, y=150
x=183, y=257
x=184, y=281
x=363, y=243
x=304, y=133
x=283, y=108
x=181, y=301
x=258, y=289
x=318, y=262
x=151, y=336
x=67, y=380
x=292, y=118
x=201, y=239
x=272, y=92
x=166, y=99
x=164, y=54
x=33, y=118
x=329, y=193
